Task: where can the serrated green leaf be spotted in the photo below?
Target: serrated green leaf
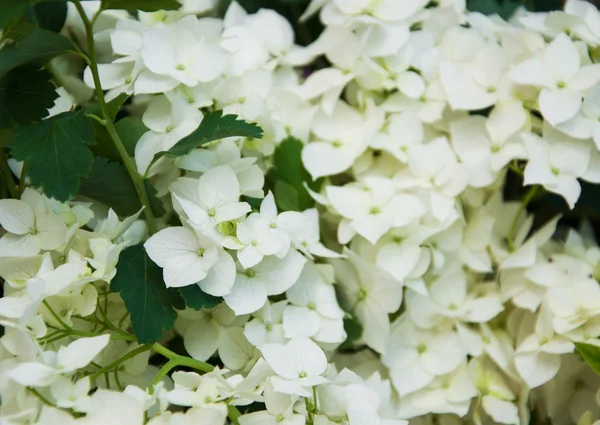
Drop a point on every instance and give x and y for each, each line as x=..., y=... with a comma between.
x=110, y=184
x=50, y=15
x=591, y=355
x=288, y=168
x=149, y=302
x=214, y=126
x=354, y=331
x=197, y=299
x=26, y=93
x=143, y=5
x=286, y=196
x=58, y=152
x=37, y=46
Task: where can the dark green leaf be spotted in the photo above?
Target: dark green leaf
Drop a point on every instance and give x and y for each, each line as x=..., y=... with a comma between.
x=195, y=298
x=57, y=151
x=287, y=167
x=110, y=184
x=286, y=196
x=144, y=5
x=354, y=331
x=37, y=46
x=129, y=129
x=11, y=10
x=114, y=106
x=20, y=30
x=591, y=355
x=214, y=126
x=150, y=303
x=156, y=204
x=503, y=8
x=26, y=93
x=49, y=15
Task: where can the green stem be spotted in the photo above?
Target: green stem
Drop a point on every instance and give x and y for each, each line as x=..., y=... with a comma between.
x=108, y=123
x=513, y=228
x=56, y=316
x=43, y=399
x=116, y=363
x=7, y=175
x=182, y=360
x=234, y=414
x=163, y=372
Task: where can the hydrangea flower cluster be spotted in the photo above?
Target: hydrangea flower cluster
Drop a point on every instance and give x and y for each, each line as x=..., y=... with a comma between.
x=466, y=309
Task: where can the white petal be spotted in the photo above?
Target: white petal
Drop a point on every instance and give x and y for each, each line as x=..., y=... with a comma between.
x=247, y=295
x=201, y=340
x=559, y=106
x=300, y=321
x=16, y=216
x=81, y=352
x=52, y=232
x=33, y=374
x=220, y=277
x=501, y=411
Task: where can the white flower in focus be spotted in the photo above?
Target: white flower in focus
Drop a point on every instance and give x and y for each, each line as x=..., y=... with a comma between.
x=563, y=79
x=272, y=276
x=299, y=365
x=279, y=411
x=30, y=226
x=189, y=258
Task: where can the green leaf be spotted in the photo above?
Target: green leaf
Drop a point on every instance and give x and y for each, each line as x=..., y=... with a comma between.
x=197, y=299
x=143, y=5
x=57, y=151
x=504, y=8
x=114, y=106
x=50, y=15
x=129, y=129
x=150, y=303
x=26, y=93
x=286, y=196
x=37, y=46
x=214, y=126
x=288, y=168
x=354, y=331
x=20, y=30
x=11, y=10
x=110, y=184
x=591, y=355
x=156, y=204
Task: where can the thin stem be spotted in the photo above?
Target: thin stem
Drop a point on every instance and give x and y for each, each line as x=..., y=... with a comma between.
x=514, y=167
x=116, y=363
x=7, y=175
x=110, y=127
x=234, y=414
x=163, y=372
x=43, y=399
x=56, y=316
x=182, y=360
x=513, y=228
